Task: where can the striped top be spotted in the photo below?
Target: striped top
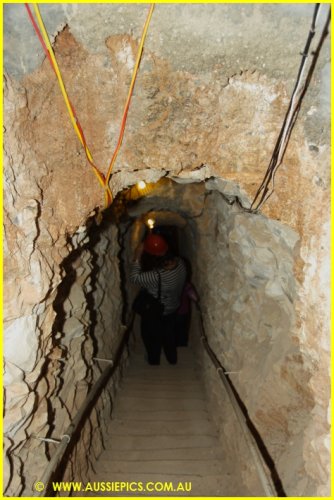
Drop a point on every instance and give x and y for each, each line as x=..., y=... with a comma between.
x=172, y=282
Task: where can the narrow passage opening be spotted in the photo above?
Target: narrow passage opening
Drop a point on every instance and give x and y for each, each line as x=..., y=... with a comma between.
x=242, y=269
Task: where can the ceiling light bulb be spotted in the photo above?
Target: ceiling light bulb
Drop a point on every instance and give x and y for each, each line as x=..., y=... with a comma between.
x=141, y=184
x=150, y=223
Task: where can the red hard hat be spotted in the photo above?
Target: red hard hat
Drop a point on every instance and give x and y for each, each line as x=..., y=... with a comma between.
x=155, y=245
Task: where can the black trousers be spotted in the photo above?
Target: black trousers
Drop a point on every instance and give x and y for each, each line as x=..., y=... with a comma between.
x=157, y=334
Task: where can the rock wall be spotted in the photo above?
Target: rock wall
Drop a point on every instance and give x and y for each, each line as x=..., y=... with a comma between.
x=47, y=379
x=244, y=270
x=209, y=102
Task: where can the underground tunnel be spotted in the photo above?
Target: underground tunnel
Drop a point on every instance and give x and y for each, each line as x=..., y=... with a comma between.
x=208, y=104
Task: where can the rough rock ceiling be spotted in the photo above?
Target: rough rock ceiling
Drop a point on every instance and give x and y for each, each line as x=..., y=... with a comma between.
x=196, y=38
x=213, y=42
x=209, y=100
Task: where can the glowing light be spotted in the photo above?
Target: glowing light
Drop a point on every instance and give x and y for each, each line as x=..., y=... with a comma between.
x=141, y=184
x=150, y=223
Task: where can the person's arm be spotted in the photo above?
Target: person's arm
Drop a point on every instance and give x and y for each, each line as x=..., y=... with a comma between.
x=191, y=292
x=143, y=278
x=138, y=252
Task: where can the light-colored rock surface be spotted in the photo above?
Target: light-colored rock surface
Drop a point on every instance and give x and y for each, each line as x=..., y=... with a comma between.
x=69, y=330
x=208, y=104
x=250, y=321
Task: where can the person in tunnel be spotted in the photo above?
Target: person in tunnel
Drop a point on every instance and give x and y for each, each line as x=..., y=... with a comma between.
x=165, y=281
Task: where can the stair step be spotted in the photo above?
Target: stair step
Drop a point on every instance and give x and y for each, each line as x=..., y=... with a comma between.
x=180, y=427
x=133, y=404
x=158, y=393
x=181, y=366
x=158, y=380
x=178, y=368
x=212, y=452
x=159, y=442
x=159, y=373
x=179, y=386
x=161, y=415
x=184, y=467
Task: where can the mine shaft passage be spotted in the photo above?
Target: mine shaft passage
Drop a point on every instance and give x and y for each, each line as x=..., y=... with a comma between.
x=170, y=400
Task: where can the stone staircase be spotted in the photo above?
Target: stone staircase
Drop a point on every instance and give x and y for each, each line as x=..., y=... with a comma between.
x=161, y=432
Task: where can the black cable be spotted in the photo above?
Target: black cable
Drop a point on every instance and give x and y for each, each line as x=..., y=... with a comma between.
x=275, y=161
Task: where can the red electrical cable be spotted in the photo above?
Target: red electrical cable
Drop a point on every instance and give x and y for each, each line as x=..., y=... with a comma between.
x=47, y=53
x=82, y=135
x=103, y=179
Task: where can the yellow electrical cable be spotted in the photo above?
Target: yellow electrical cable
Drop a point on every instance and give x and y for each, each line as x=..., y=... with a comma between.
x=104, y=182
x=67, y=102
x=134, y=75
x=60, y=80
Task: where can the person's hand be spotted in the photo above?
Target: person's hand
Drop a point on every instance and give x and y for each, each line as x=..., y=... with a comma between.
x=138, y=251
